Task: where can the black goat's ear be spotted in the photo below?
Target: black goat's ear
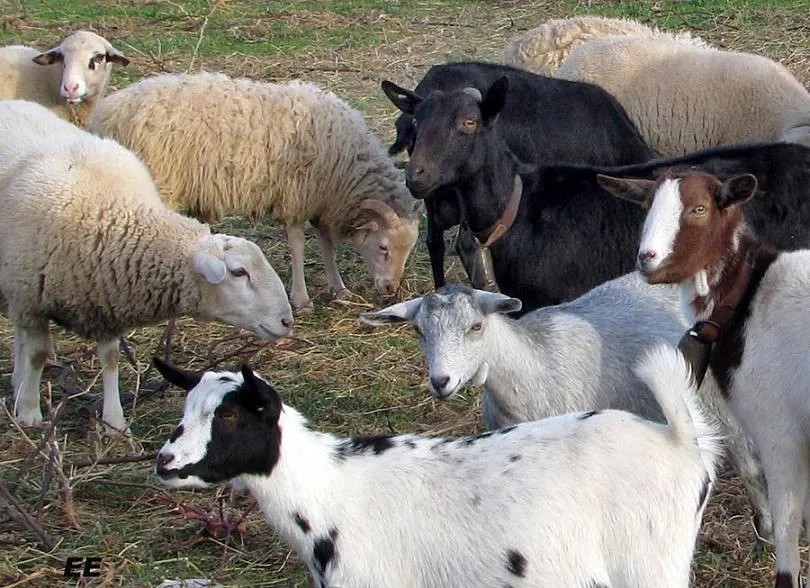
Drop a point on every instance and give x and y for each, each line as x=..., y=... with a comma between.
x=403, y=99
x=267, y=399
x=494, y=99
x=180, y=378
x=634, y=190
x=737, y=190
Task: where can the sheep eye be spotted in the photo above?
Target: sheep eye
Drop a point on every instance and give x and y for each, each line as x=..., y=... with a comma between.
x=476, y=327
x=239, y=272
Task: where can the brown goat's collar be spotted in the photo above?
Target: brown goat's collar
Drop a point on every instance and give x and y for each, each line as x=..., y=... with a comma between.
x=718, y=341
x=507, y=219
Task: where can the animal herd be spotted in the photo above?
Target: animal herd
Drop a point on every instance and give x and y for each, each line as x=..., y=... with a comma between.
x=611, y=206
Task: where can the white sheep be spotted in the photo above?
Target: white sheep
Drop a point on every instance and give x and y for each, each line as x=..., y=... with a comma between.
x=542, y=49
x=584, y=499
x=683, y=97
x=217, y=145
x=750, y=301
x=74, y=77
x=86, y=242
x=570, y=357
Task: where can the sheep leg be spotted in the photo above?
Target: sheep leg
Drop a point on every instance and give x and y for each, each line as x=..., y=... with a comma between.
x=112, y=414
x=330, y=264
x=31, y=347
x=787, y=471
x=298, y=292
x=434, y=239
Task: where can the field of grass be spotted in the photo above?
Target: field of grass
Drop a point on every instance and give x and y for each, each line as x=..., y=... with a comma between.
x=348, y=379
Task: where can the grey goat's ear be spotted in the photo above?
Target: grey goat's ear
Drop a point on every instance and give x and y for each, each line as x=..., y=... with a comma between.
x=492, y=302
x=403, y=312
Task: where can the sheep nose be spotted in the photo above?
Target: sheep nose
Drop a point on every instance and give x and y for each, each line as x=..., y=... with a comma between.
x=389, y=289
x=72, y=88
x=164, y=459
x=439, y=382
x=287, y=323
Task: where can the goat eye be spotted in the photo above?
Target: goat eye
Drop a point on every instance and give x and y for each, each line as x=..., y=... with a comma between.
x=476, y=327
x=239, y=272
x=699, y=210
x=229, y=417
x=469, y=124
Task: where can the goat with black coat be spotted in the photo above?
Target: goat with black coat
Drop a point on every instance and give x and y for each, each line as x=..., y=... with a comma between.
x=569, y=234
x=543, y=120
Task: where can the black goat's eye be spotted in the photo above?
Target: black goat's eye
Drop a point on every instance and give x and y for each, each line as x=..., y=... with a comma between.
x=229, y=417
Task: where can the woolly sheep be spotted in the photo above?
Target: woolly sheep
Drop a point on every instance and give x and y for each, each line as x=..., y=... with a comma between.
x=85, y=241
x=670, y=89
x=73, y=90
x=543, y=48
x=217, y=145
x=584, y=499
x=750, y=302
x=571, y=357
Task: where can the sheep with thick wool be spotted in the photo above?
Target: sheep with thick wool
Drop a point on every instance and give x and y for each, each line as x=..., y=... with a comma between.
x=69, y=79
x=683, y=97
x=542, y=49
x=86, y=242
x=217, y=145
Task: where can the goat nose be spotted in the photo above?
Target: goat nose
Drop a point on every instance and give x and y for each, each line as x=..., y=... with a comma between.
x=644, y=257
x=439, y=382
x=164, y=459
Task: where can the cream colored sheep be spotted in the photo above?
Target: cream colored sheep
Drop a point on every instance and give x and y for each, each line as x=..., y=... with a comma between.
x=86, y=242
x=542, y=49
x=73, y=87
x=683, y=97
x=217, y=145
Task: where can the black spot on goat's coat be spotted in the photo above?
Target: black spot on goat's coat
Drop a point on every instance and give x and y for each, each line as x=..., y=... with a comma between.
x=516, y=563
x=302, y=522
x=589, y=414
x=704, y=491
x=375, y=444
x=323, y=552
x=506, y=430
x=176, y=435
x=515, y=457
x=473, y=438
x=783, y=580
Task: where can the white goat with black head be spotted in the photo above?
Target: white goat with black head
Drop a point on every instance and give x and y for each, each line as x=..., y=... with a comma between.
x=584, y=499
x=751, y=302
x=575, y=356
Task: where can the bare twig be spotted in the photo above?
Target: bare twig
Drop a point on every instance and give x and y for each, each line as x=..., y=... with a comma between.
x=113, y=460
x=17, y=514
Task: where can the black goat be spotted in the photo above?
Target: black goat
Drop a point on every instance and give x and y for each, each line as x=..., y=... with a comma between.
x=543, y=120
x=569, y=234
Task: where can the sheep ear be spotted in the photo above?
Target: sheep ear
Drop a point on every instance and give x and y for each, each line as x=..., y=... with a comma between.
x=495, y=98
x=180, y=378
x=737, y=190
x=403, y=99
x=402, y=312
x=209, y=266
x=492, y=302
x=268, y=400
x=49, y=57
x=634, y=190
x=115, y=56
x=371, y=225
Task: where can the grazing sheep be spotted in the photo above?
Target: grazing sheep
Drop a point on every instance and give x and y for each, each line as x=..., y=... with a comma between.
x=584, y=499
x=750, y=301
x=571, y=357
x=670, y=90
x=543, y=48
x=216, y=146
x=73, y=90
x=86, y=242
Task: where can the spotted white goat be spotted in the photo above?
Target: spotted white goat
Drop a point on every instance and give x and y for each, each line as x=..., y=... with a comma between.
x=751, y=302
x=571, y=357
x=584, y=499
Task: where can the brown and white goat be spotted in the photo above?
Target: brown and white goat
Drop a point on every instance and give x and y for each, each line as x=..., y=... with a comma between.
x=751, y=301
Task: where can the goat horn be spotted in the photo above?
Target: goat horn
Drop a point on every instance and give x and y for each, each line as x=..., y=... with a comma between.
x=475, y=93
x=387, y=214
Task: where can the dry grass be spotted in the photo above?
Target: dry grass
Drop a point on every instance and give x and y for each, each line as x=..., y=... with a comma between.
x=348, y=379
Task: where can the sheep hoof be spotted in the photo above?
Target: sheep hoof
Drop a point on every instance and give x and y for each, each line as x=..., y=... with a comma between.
x=303, y=308
x=31, y=422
